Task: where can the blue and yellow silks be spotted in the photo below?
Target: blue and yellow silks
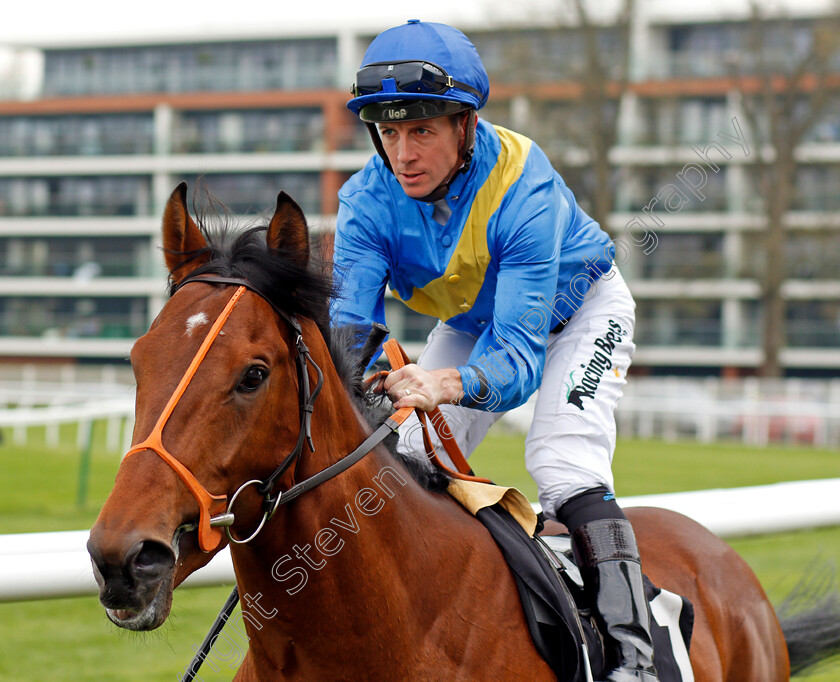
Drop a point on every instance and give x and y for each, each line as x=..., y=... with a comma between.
x=515, y=258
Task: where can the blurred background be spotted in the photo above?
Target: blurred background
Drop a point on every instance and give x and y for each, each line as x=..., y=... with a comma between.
x=705, y=136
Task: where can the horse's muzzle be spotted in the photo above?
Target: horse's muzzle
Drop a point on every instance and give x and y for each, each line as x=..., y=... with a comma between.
x=135, y=586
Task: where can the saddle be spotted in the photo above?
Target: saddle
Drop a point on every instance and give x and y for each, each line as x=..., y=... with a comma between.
x=549, y=583
x=561, y=624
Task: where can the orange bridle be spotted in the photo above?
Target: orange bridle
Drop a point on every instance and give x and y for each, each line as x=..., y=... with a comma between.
x=213, y=515
x=209, y=533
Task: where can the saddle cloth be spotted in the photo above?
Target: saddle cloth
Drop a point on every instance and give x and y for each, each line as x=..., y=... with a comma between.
x=551, y=590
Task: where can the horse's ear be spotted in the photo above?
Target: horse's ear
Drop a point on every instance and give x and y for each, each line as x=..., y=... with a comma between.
x=287, y=230
x=181, y=236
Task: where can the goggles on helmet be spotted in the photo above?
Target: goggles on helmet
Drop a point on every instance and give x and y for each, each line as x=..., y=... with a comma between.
x=408, y=77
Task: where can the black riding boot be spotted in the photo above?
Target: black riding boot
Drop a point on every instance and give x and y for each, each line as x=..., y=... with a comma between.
x=608, y=558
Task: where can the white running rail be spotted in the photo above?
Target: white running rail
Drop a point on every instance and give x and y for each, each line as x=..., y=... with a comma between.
x=50, y=565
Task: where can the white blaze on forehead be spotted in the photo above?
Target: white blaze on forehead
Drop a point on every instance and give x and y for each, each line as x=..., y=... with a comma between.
x=196, y=321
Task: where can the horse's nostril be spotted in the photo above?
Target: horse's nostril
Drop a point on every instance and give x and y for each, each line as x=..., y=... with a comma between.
x=150, y=560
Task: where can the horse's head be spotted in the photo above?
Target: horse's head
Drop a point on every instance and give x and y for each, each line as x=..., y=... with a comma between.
x=217, y=386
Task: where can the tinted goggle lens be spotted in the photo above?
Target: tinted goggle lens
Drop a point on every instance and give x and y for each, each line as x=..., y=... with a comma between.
x=414, y=77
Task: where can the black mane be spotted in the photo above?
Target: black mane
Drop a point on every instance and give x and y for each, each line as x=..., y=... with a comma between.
x=306, y=292
x=244, y=255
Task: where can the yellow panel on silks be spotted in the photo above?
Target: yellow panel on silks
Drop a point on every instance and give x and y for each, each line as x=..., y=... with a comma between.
x=456, y=290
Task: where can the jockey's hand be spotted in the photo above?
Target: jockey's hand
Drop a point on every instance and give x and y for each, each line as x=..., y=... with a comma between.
x=412, y=386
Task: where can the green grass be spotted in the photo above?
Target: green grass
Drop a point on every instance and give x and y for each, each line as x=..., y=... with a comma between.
x=40, y=485
x=70, y=639
x=648, y=466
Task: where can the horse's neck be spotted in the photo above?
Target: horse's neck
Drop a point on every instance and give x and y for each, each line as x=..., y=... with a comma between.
x=349, y=556
x=347, y=553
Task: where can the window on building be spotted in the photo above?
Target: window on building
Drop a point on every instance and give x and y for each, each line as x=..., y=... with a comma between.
x=75, y=196
x=80, y=257
x=546, y=55
x=416, y=327
x=812, y=254
x=702, y=50
x=256, y=194
x=76, y=135
x=84, y=317
x=688, y=121
x=813, y=324
x=353, y=135
x=685, y=256
x=827, y=126
x=683, y=322
x=673, y=190
x=286, y=130
x=817, y=188
x=304, y=63
x=561, y=126
x=732, y=48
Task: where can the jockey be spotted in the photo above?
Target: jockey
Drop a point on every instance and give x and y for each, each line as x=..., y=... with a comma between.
x=469, y=223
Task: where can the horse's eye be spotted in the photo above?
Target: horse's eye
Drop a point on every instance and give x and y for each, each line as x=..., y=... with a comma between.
x=252, y=378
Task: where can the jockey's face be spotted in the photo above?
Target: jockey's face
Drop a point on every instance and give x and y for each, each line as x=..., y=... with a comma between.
x=423, y=153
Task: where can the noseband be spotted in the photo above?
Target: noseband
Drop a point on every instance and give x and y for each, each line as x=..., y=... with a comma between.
x=213, y=514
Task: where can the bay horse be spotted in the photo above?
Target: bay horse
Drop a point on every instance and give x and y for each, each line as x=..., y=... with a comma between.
x=375, y=573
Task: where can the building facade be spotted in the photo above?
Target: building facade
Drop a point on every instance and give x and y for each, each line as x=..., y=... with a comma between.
x=87, y=165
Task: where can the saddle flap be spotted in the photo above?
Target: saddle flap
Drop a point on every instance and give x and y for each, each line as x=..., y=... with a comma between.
x=553, y=600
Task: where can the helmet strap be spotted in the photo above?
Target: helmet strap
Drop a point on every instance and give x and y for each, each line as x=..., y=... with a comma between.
x=465, y=154
x=377, y=143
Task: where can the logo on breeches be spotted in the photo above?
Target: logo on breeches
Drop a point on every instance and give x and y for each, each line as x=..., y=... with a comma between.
x=593, y=371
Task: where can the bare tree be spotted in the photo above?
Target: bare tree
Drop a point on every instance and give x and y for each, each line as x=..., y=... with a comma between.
x=785, y=78
x=572, y=96
x=603, y=81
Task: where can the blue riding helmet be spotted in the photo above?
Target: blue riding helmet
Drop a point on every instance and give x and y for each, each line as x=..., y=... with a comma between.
x=430, y=69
